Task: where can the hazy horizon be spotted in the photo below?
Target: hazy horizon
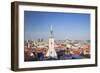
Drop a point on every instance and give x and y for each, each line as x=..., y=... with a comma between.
x=73, y=26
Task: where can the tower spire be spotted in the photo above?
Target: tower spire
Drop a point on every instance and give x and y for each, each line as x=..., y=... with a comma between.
x=51, y=32
x=51, y=51
x=51, y=27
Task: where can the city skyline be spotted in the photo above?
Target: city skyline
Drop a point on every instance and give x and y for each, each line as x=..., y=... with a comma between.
x=65, y=25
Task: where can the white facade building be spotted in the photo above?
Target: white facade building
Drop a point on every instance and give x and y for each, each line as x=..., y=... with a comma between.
x=51, y=51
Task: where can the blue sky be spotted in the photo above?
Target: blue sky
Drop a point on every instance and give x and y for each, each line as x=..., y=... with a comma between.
x=73, y=26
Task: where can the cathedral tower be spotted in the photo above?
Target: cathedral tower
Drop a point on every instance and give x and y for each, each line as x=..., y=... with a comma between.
x=51, y=51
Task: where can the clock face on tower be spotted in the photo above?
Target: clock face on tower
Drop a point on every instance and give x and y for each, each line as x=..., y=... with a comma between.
x=51, y=43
